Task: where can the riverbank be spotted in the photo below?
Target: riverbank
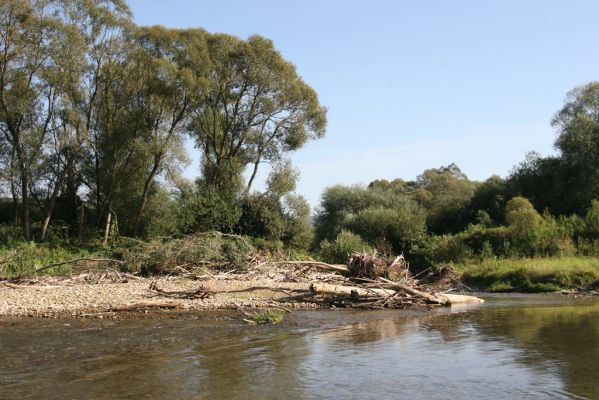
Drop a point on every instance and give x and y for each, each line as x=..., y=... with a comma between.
x=103, y=295
x=531, y=275
x=292, y=286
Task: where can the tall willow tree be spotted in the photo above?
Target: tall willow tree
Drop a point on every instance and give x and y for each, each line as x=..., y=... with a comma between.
x=29, y=72
x=253, y=109
x=164, y=102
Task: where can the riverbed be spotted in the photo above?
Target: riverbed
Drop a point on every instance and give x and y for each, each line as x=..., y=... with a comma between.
x=542, y=346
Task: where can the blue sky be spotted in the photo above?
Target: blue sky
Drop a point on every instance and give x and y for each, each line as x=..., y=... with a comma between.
x=412, y=85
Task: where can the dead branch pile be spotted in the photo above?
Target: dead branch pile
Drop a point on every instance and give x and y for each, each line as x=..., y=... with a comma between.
x=371, y=266
x=383, y=283
x=199, y=293
x=190, y=255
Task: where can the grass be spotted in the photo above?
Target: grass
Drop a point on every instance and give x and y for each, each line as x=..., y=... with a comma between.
x=266, y=317
x=158, y=256
x=531, y=275
x=24, y=258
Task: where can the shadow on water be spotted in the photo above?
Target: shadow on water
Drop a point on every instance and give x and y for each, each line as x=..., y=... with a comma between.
x=510, y=348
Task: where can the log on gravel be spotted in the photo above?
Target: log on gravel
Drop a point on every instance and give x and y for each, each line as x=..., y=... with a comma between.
x=431, y=298
x=145, y=304
x=462, y=298
x=316, y=264
x=340, y=290
x=390, y=290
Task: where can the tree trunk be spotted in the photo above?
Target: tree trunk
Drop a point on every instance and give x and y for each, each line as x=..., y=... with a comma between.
x=251, y=181
x=50, y=206
x=15, y=201
x=144, y=199
x=80, y=221
x=71, y=192
x=108, y=223
x=25, y=205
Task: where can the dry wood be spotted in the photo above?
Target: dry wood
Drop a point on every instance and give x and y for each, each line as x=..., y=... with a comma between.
x=34, y=287
x=42, y=268
x=15, y=286
x=432, y=298
x=316, y=264
x=340, y=290
x=462, y=298
x=145, y=304
x=200, y=293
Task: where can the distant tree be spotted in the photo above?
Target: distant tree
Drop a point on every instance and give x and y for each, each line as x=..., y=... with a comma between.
x=377, y=215
x=488, y=198
x=444, y=192
x=577, y=126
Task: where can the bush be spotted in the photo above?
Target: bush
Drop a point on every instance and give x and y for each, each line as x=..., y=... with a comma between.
x=10, y=235
x=340, y=249
x=448, y=249
x=403, y=228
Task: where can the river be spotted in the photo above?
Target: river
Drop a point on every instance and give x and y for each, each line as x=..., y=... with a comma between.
x=512, y=347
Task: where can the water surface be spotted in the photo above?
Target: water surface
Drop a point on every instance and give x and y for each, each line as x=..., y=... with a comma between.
x=515, y=347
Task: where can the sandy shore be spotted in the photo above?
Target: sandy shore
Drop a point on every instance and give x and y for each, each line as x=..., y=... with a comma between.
x=55, y=297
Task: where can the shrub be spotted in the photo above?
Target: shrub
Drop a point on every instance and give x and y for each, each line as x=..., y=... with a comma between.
x=404, y=228
x=10, y=235
x=345, y=244
x=448, y=248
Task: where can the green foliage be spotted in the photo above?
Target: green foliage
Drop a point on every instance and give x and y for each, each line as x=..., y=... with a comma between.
x=374, y=213
x=488, y=198
x=298, y=232
x=450, y=192
x=267, y=317
x=404, y=228
x=204, y=209
x=261, y=216
x=10, y=236
x=448, y=249
x=339, y=250
x=531, y=275
x=24, y=258
x=591, y=221
x=161, y=256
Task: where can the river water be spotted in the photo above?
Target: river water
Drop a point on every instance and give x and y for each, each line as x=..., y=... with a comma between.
x=514, y=347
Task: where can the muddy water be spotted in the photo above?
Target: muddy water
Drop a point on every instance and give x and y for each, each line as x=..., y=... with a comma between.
x=511, y=348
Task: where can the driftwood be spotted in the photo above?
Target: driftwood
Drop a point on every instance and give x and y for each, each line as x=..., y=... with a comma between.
x=371, y=265
x=387, y=292
x=462, y=298
x=110, y=260
x=145, y=304
x=316, y=264
x=200, y=293
x=432, y=298
x=352, y=291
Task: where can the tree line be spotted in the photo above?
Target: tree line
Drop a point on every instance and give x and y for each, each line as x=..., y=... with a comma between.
x=94, y=113
x=547, y=206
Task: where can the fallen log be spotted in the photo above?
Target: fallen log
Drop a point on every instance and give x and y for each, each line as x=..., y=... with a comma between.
x=199, y=293
x=392, y=289
x=386, y=290
x=107, y=260
x=431, y=298
x=145, y=304
x=316, y=264
x=461, y=298
x=339, y=290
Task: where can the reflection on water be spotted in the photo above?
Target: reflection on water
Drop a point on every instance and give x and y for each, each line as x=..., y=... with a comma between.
x=509, y=348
